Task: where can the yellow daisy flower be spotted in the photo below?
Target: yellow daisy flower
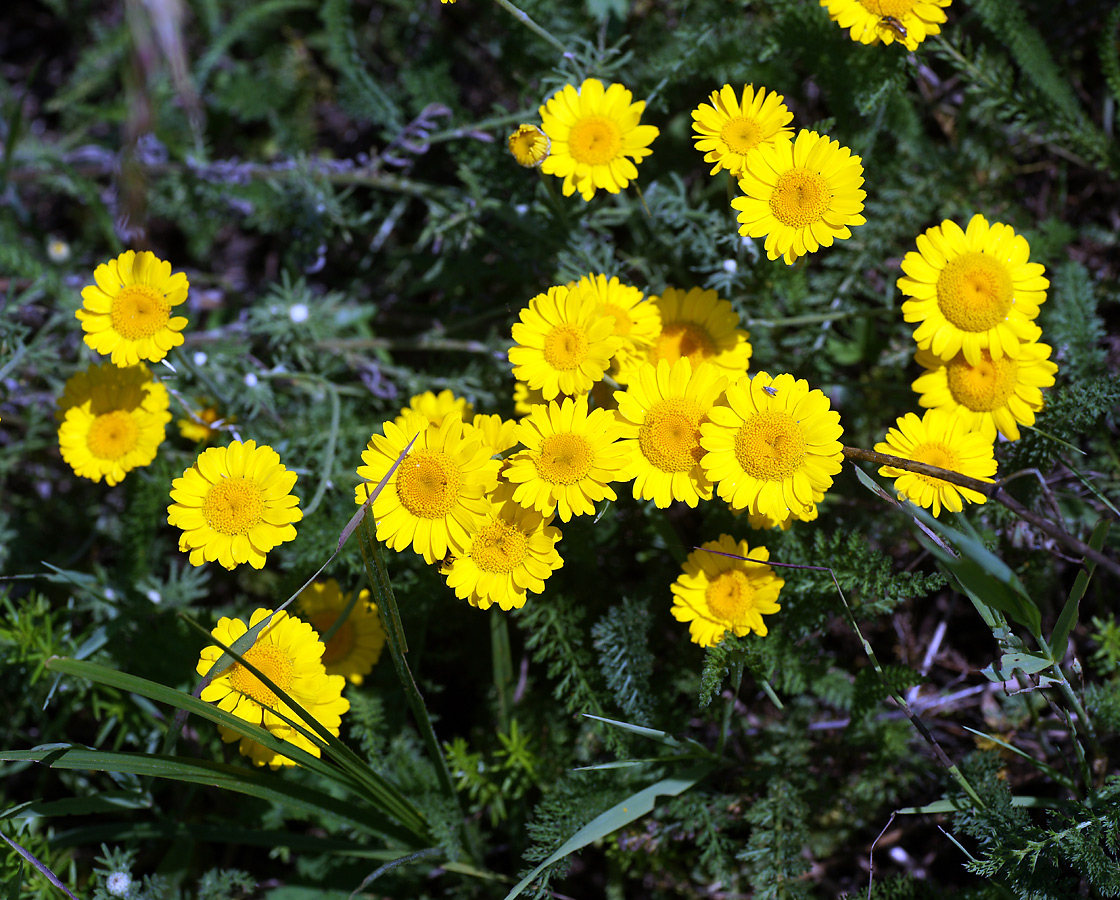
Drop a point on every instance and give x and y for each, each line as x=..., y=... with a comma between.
x=511, y=553
x=529, y=146
x=290, y=653
x=525, y=398
x=564, y=343
x=939, y=438
x=993, y=395
x=662, y=411
x=704, y=328
x=717, y=593
x=571, y=455
x=637, y=322
x=436, y=407
x=800, y=195
x=355, y=647
x=728, y=129
x=234, y=505
x=595, y=134
x=767, y=522
x=774, y=447
x=973, y=290
x=205, y=431
x=127, y=313
x=870, y=21
x=497, y=434
x=437, y=495
x=112, y=421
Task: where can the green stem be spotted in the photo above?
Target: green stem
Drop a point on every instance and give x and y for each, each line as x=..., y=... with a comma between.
x=530, y=24
x=503, y=667
x=736, y=682
x=398, y=647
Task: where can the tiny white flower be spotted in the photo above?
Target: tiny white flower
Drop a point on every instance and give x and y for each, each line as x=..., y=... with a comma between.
x=251, y=380
x=299, y=313
x=729, y=265
x=58, y=251
x=119, y=884
x=154, y=595
x=199, y=358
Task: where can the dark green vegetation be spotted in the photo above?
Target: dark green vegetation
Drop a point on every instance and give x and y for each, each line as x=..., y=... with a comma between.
x=350, y=157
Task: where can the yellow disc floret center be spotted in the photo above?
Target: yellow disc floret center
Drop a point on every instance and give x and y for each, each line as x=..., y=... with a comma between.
x=565, y=347
x=801, y=197
x=341, y=642
x=741, y=134
x=564, y=458
x=935, y=454
x=428, y=483
x=895, y=8
x=274, y=663
x=112, y=435
x=139, y=311
x=233, y=506
x=729, y=596
x=975, y=292
x=669, y=437
x=622, y=321
x=595, y=141
x=683, y=339
x=985, y=386
x=770, y=445
x=500, y=547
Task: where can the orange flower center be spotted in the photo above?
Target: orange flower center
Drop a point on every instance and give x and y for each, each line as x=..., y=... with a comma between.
x=683, y=339
x=894, y=8
x=741, y=134
x=730, y=595
x=622, y=321
x=984, y=387
x=274, y=663
x=937, y=454
x=112, y=435
x=139, y=311
x=341, y=642
x=975, y=292
x=499, y=547
x=595, y=141
x=428, y=483
x=800, y=198
x=565, y=347
x=564, y=458
x=770, y=446
x=669, y=436
x=233, y=506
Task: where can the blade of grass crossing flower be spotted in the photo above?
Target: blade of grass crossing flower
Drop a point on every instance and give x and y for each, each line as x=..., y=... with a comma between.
x=1059, y=640
x=618, y=816
x=661, y=737
x=1037, y=763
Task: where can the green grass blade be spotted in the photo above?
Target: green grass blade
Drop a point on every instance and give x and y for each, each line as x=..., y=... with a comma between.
x=1059, y=640
x=618, y=816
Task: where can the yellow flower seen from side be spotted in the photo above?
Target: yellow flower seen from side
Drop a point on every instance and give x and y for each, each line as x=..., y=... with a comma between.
x=596, y=137
x=356, y=644
x=234, y=505
x=112, y=421
x=436, y=407
x=774, y=447
x=939, y=438
x=703, y=328
x=436, y=496
x=637, y=321
x=995, y=395
x=729, y=128
x=510, y=554
x=801, y=195
x=717, y=593
x=497, y=434
x=873, y=21
x=972, y=290
x=571, y=456
x=767, y=522
x=204, y=426
x=529, y=146
x=661, y=413
x=289, y=652
x=564, y=343
x=127, y=313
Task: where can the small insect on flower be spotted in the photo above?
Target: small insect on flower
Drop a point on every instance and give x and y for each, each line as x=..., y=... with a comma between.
x=894, y=25
x=772, y=391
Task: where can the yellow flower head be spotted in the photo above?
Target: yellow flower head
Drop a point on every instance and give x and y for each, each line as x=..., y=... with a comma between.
x=718, y=593
x=702, y=327
x=972, y=290
x=595, y=134
x=637, y=321
x=767, y=522
x=870, y=21
x=497, y=434
x=801, y=195
x=728, y=129
x=436, y=407
x=529, y=146
x=356, y=644
x=571, y=455
x=234, y=505
x=662, y=411
x=525, y=398
x=289, y=652
x=435, y=498
x=511, y=552
x=939, y=438
x=127, y=313
x=206, y=430
x=112, y=421
x=564, y=343
x=993, y=395
x=774, y=447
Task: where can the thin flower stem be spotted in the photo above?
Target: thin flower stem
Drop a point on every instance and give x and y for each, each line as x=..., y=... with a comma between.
x=451, y=345
x=531, y=25
x=991, y=490
x=736, y=681
x=819, y=318
x=473, y=131
x=502, y=661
